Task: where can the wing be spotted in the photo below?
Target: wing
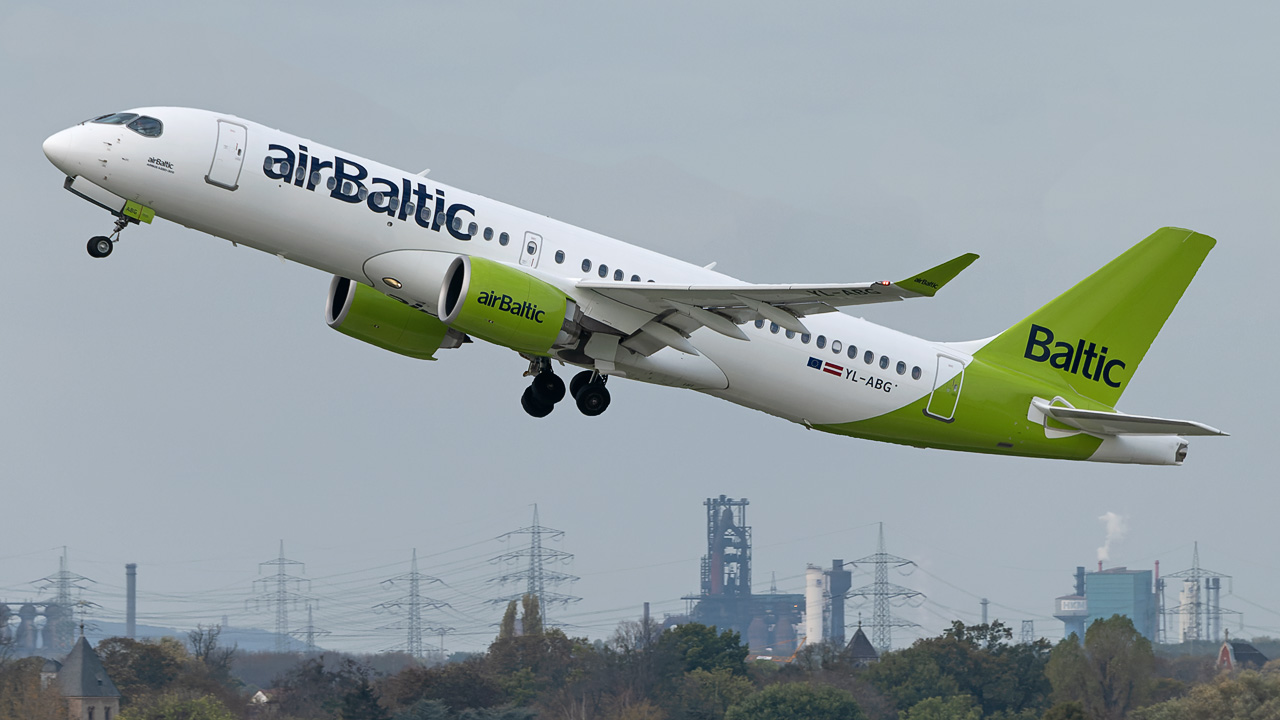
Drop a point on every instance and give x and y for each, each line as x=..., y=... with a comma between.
x=678, y=310
x=1099, y=422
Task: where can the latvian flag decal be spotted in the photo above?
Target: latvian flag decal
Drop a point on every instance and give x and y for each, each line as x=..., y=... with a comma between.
x=826, y=367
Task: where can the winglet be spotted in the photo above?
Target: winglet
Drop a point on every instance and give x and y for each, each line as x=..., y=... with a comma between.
x=930, y=281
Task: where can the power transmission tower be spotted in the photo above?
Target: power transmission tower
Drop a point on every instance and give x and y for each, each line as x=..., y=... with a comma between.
x=1198, y=609
x=309, y=632
x=441, y=631
x=536, y=576
x=883, y=593
x=276, y=594
x=412, y=604
x=59, y=611
x=1028, y=632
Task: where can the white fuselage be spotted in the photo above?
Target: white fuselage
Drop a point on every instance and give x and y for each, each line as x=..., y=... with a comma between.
x=299, y=217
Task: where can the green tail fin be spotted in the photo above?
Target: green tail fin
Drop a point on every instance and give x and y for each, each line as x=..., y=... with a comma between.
x=1092, y=337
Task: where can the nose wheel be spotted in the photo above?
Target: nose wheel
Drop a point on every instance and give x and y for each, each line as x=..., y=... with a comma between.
x=101, y=246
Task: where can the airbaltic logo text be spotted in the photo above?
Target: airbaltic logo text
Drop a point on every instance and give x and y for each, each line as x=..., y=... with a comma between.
x=346, y=181
x=508, y=304
x=1082, y=358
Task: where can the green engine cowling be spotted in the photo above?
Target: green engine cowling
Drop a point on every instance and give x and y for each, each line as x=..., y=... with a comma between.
x=506, y=306
x=365, y=314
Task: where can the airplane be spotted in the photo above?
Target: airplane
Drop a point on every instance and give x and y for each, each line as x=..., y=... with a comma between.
x=420, y=266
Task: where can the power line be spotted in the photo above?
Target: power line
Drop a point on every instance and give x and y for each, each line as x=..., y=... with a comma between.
x=281, y=597
x=536, y=576
x=883, y=593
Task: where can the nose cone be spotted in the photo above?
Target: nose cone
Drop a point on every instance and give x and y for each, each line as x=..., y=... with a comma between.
x=58, y=148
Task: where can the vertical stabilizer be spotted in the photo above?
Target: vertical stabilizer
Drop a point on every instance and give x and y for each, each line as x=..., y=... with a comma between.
x=1091, y=338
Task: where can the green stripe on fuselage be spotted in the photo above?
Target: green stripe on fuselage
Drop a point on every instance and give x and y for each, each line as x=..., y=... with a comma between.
x=992, y=411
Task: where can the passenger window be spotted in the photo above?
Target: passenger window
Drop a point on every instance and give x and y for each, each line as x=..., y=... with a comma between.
x=821, y=341
x=853, y=352
x=559, y=257
x=471, y=229
x=791, y=334
x=457, y=224
x=503, y=239
x=902, y=368
x=884, y=362
x=760, y=323
x=773, y=328
x=617, y=274
x=635, y=278
x=805, y=338
x=586, y=266
x=488, y=233
x=868, y=357
x=147, y=126
x=916, y=373
x=836, y=346
x=604, y=270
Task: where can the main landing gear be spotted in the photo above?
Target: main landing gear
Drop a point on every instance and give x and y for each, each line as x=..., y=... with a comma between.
x=101, y=246
x=547, y=389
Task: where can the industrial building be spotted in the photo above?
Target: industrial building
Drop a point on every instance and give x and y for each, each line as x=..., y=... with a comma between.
x=1114, y=591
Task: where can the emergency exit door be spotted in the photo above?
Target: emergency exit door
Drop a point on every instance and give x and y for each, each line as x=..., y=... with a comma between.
x=946, y=389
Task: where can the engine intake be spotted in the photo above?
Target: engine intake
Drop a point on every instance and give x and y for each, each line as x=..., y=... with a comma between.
x=365, y=314
x=506, y=306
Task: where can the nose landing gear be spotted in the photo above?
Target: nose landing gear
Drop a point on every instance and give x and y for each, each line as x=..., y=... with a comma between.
x=547, y=389
x=101, y=246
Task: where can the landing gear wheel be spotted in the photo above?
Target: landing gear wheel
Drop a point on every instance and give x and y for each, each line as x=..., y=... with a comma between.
x=529, y=401
x=592, y=399
x=547, y=388
x=578, y=382
x=100, y=246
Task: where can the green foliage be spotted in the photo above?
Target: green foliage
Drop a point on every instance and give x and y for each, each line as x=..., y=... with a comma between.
x=1247, y=695
x=178, y=706
x=796, y=701
x=1111, y=675
x=22, y=696
x=956, y=707
x=437, y=710
x=531, y=619
x=457, y=685
x=508, y=627
x=978, y=661
x=698, y=647
x=708, y=695
x=313, y=690
x=141, y=668
x=360, y=702
x=1066, y=711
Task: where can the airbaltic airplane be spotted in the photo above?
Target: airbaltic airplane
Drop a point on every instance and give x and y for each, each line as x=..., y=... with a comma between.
x=420, y=266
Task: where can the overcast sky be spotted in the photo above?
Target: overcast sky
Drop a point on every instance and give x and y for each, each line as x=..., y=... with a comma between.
x=182, y=405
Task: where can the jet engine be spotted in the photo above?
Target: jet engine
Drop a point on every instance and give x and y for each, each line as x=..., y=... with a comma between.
x=365, y=314
x=506, y=306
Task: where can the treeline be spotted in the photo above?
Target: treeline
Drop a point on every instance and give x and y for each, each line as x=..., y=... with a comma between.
x=688, y=672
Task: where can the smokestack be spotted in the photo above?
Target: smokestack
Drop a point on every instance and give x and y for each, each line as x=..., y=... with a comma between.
x=1080, y=580
x=813, y=582
x=131, y=601
x=984, y=610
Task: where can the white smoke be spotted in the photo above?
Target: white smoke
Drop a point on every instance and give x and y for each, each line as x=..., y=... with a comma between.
x=1116, y=529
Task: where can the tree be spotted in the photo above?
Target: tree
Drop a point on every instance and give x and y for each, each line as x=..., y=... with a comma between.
x=141, y=668
x=531, y=620
x=694, y=646
x=208, y=652
x=1244, y=696
x=456, y=685
x=24, y=697
x=708, y=694
x=361, y=701
x=978, y=661
x=178, y=706
x=508, y=627
x=956, y=707
x=796, y=701
x=1111, y=675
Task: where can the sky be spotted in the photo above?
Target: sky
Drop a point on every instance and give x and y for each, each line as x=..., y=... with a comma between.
x=182, y=405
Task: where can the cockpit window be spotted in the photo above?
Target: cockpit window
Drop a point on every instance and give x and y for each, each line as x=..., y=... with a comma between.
x=147, y=126
x=115, y=118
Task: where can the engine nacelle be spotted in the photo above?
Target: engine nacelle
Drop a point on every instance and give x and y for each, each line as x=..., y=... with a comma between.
x=506, y=306
x=365, y=314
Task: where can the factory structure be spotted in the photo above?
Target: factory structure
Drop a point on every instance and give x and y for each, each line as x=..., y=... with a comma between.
x=48, y=627
x=773, y=625
x=1140, y=596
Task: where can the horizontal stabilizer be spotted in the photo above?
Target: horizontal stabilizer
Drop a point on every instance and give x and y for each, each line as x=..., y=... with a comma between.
x=1099, y=422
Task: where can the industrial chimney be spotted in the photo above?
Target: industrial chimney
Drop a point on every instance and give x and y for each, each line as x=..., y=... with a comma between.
x=131, y=601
